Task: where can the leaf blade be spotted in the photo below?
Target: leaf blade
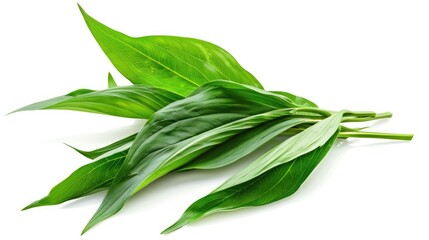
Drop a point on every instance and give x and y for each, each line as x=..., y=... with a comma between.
x=244, y=188
x=85, y=180
x=129, y=101
x=176, y=64
x=292, y=148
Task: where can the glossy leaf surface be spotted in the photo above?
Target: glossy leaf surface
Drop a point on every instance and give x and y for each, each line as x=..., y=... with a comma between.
x=309, y=139
x=177, y=64
x=242, y=144
x=185, y=129
x=87, y=179
x=275, y=175
x=130, y=101
x=221, y=155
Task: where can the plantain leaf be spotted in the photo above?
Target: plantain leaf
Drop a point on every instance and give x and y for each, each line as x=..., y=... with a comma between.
x=275, y=175
x=88, y=179
x=118, y=146
x=300, y=101
x=110, y=81
x=130, y=101
x=185, y=129
x=176, y=64
x=242, y=144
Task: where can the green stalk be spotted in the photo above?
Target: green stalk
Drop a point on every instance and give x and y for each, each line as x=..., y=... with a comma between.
x=365, y=119
x=378, y=135
x=360, y=134
x=361, y=115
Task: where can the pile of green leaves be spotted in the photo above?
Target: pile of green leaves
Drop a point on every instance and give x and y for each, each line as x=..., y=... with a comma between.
x=203, y=111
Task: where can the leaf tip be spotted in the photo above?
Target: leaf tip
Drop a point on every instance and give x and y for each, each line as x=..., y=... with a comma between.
x=97, y=218
x=88, y=226
x=26, y=207
x=31, y=205
x=85, y=230
x=184, y=220
x=80, y=8
x=7, y=114
x=111, y=81
x=70, y=146
x=171, y=229
x=16, y=110
x=83, y=12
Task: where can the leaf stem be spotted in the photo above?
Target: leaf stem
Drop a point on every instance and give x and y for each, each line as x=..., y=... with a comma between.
x=365, y=119
x=392, y=136
x=360, y=114
x=361, y=134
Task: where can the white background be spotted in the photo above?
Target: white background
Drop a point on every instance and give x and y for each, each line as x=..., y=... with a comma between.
x=360, y=55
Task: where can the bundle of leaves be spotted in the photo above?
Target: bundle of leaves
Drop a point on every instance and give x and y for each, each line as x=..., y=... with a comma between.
x=204, y=111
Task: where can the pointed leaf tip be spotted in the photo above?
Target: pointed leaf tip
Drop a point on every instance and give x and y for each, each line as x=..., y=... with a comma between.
x=83, y=231
x=81, y=9
x=27, y=207
x=110, y=81
x=172, y=228
x=85, y=15
x=7, y=114
x=32, y=205
x=88, y=226
x=91, y=223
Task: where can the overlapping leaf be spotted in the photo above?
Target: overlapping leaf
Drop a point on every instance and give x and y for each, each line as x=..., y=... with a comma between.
x=114, y=154
x=242, y=144
x=185, y=129
x=108, y=160
x=276, y=175
x=129, y=101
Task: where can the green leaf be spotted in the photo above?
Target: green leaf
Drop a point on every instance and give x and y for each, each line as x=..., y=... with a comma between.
x=221, y=155
x=88, y=179
x=275, y=175
x=185, y=129
x=218, y=156
x=176, y=64
x=118, y=146
x=130, y=101
x=242, y=144
x=110, y=81
x=300, y=101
